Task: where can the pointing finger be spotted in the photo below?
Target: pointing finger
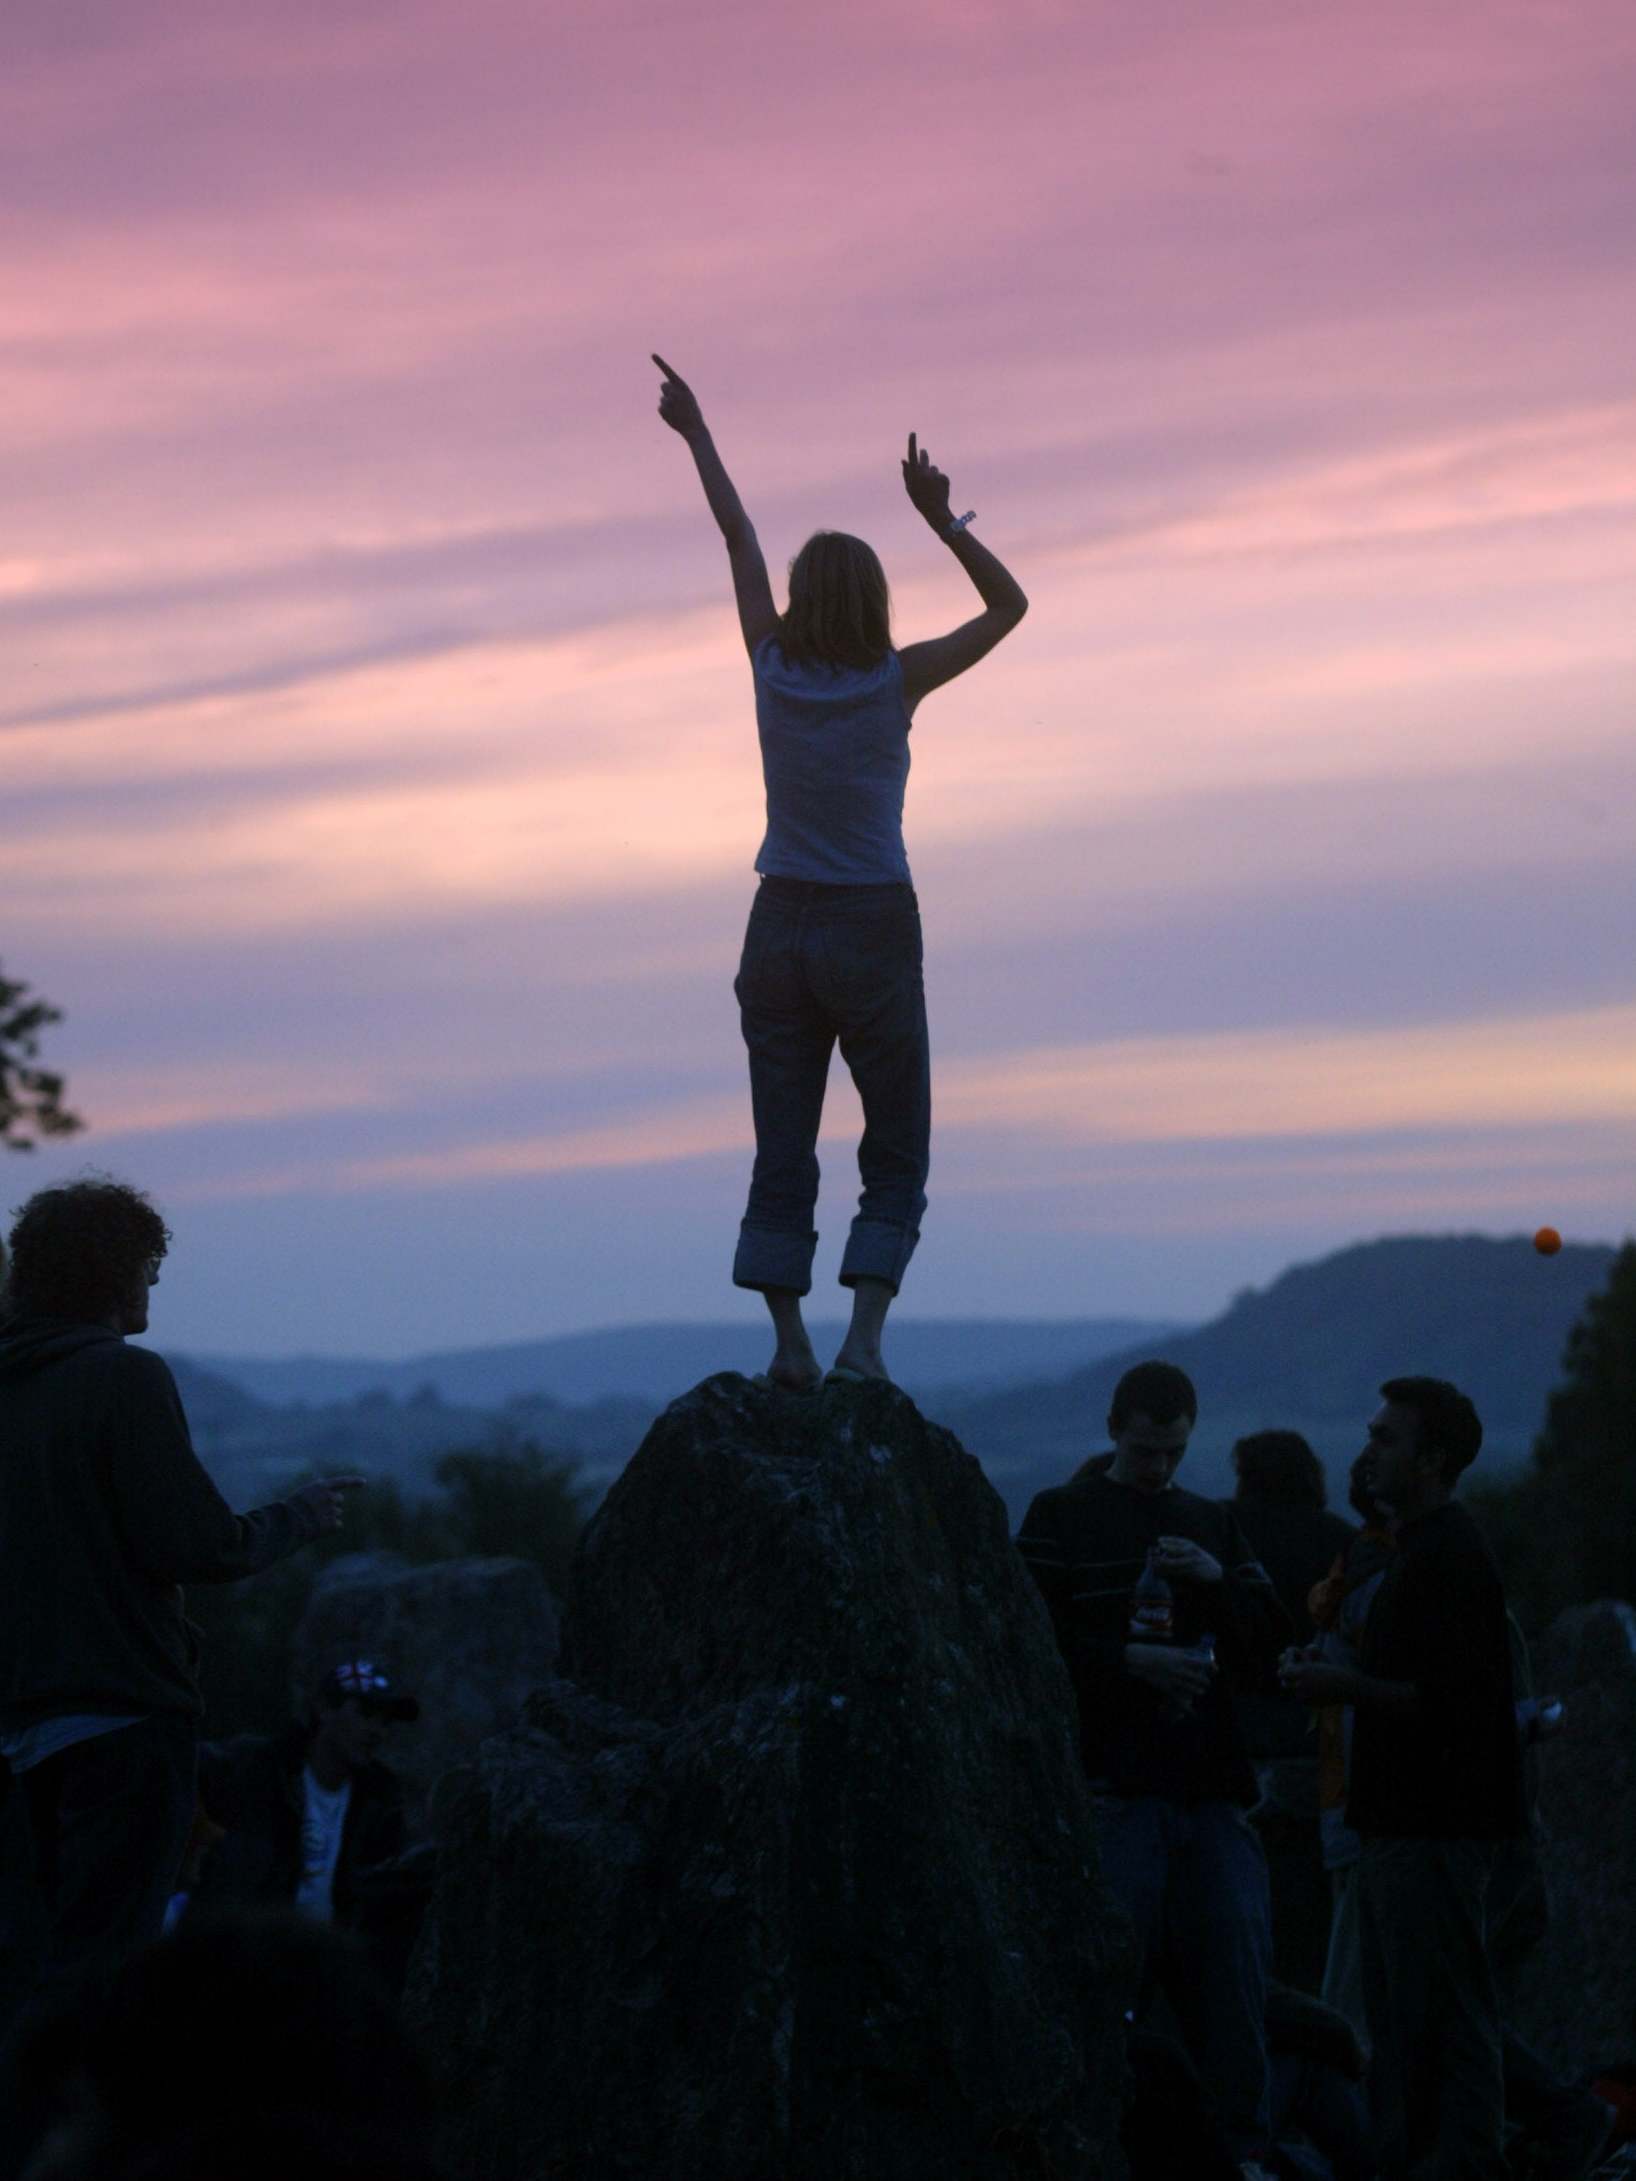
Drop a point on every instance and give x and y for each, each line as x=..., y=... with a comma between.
x=666, y=369
x=911, y=447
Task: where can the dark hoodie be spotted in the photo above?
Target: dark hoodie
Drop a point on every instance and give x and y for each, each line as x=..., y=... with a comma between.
x=104, y=1511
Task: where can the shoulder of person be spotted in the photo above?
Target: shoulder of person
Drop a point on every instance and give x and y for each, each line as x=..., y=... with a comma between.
x=1045, y=1514
x=1081, y=1504
x=1448, y=1538
x=1058, y=1502
x=1462, y=1525
x=1468, y=1540
x=142, y=1372
x=1091, y=1474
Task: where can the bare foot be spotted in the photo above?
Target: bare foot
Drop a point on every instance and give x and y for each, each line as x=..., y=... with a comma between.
x=795, y=1370
x=794, y=1367
x=861, y=1362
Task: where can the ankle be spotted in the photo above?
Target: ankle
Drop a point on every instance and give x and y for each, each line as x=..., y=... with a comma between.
x=859, y=1353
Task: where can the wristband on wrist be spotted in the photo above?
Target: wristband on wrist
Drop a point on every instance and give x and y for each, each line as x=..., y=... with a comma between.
x=954, y=528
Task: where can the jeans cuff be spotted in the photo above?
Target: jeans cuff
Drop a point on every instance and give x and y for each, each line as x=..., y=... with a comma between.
x=774, y=1257
x=877, y=1251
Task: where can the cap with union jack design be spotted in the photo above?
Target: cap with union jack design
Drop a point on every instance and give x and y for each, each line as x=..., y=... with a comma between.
x=374, y=1689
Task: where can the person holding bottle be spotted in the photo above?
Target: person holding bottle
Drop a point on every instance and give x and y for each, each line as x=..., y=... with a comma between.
x=1161, y=1610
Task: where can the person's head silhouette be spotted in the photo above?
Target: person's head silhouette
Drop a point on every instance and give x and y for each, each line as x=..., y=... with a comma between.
x=840, y=610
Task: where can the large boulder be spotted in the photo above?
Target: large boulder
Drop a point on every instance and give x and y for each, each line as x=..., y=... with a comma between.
x=1575, y=1996
x=794, y=1877
x=469, y=1638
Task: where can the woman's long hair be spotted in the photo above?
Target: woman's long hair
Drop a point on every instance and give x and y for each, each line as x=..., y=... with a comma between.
x=840, y=610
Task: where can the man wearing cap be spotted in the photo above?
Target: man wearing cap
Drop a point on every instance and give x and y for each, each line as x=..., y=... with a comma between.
x=310, y=1819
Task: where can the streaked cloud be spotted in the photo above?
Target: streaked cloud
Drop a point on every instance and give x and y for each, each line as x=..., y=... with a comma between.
x=1281, y=1088
x=377, y=781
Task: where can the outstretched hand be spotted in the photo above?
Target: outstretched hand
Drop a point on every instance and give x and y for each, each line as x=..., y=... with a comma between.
x=926, y=485
x=678, y=404
x=327, y=1498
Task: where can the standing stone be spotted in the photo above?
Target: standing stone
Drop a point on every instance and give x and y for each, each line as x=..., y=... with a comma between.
x=470, y=1638
x=1574, y=1998
x=794, y=1879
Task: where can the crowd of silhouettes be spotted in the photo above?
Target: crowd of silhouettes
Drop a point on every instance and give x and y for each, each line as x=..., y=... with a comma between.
x=1309, y=1742
x=1262, y=1687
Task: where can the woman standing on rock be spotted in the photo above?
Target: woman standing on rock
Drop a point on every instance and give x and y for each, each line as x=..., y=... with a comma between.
x=833, y=950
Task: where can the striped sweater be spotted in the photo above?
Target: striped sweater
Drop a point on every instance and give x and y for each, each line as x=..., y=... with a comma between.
x=1085, y=1543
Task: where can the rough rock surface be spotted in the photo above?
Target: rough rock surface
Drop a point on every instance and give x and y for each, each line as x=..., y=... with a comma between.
x=1575, y=1997
x=795, y=1877
x=470, y=1638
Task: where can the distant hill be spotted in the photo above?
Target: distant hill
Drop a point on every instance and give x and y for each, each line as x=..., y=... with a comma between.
x=653, y=1363
x=589, y=1396
x=254, y=1448
x=1309, y=1352
x=1028, y=1398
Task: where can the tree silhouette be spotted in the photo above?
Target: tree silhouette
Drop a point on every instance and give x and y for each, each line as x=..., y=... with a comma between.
x=31, y=1106
x=1565, y=1532
x=508, y=1499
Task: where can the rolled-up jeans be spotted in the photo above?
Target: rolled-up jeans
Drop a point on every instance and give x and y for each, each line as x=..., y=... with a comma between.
x=824, y=965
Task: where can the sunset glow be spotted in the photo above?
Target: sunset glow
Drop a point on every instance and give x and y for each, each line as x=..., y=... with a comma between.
x=378, y=788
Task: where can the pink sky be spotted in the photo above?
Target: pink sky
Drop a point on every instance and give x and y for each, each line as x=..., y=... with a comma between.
x=379, y=787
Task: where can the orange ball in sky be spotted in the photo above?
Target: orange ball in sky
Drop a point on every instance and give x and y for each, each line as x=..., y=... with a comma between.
x=1547, y=1241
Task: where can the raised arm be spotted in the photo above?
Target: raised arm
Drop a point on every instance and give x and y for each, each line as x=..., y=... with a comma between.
x=927, y=666
x=679, y=408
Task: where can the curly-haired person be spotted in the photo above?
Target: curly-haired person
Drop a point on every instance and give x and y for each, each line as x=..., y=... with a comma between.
x=105, y=1511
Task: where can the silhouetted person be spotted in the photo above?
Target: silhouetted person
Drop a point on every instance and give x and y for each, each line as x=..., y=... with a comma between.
x=1563, y=2124
x=1158, y=1735
x=104, y=1511
x=1436, y=1787
x=312, y=1819
x=1280, y=1501
x=1339, y=1607
x=833, y=950
x=256, y=2046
